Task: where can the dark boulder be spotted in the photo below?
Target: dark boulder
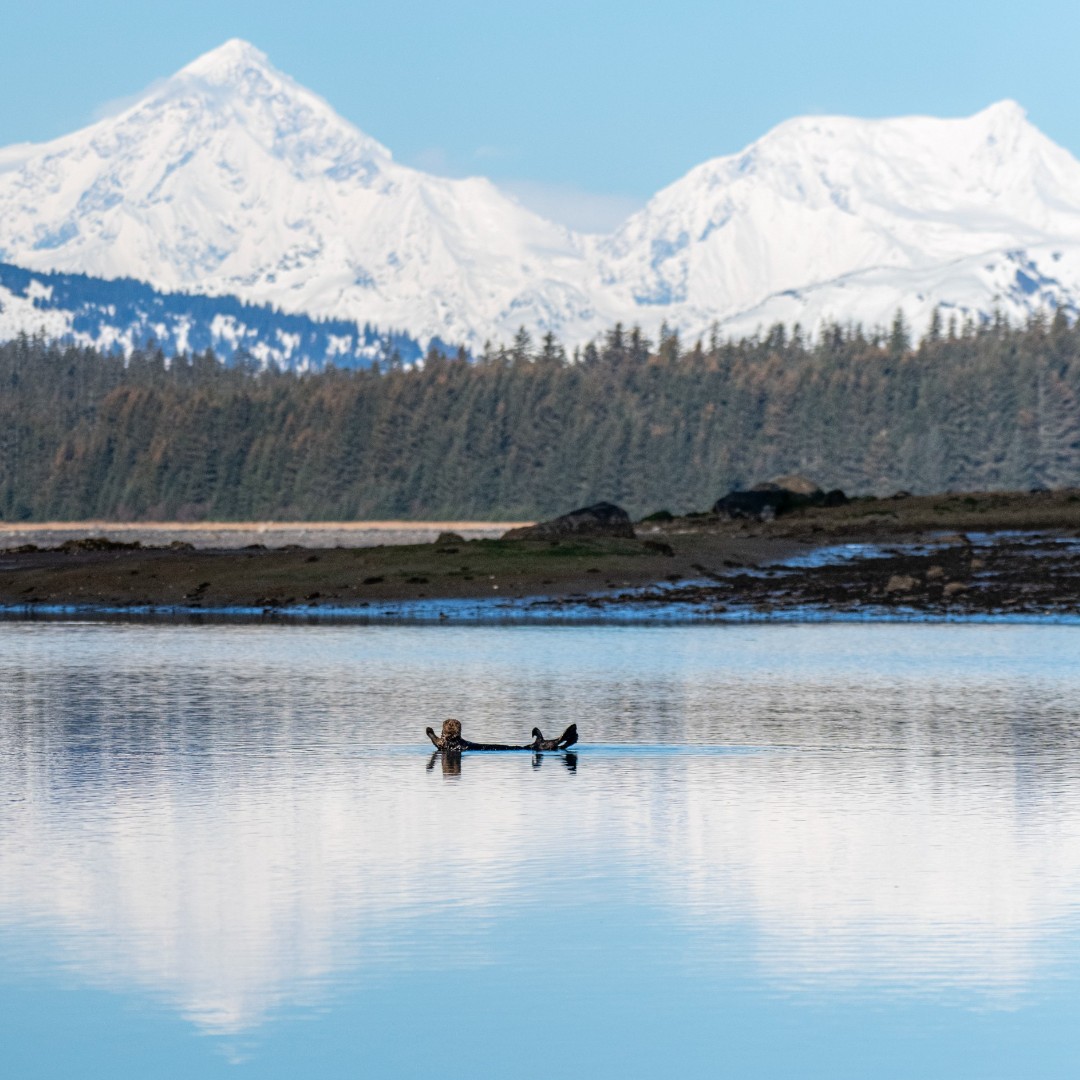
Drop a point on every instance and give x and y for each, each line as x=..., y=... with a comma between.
x=659, y=547
x=763, y=502
x=835, y=498
x=600, y=519
x=449, y=538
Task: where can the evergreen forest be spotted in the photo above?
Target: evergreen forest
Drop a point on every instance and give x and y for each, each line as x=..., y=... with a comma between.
x=525, y=431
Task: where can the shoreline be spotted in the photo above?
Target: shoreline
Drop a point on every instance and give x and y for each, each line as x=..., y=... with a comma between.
x=1004, y=557
x=484, y=613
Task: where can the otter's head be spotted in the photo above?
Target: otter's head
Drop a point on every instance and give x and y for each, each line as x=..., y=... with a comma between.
x=451, y=729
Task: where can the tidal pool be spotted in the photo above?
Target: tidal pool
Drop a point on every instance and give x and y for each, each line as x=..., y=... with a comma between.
x=780, y=851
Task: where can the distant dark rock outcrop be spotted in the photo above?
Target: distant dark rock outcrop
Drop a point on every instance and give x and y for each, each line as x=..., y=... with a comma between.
x=98, y=543
x=780, y=496
x=761, y=503
x=600, y=519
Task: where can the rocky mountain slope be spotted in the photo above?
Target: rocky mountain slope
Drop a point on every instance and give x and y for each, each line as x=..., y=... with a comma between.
x=125, y=315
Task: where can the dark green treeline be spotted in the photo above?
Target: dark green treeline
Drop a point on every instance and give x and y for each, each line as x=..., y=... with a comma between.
x=523, y=432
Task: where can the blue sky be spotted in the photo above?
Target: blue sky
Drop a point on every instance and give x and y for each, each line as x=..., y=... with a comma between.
x=584, y=108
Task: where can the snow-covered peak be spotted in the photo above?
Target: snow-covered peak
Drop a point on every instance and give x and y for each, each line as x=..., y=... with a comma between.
x=908, y=163
x=229, y=62
x=1003, y=114
x=819, y=197
x=235, y=88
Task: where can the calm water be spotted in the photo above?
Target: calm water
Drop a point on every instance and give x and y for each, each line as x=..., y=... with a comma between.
x=781, y=851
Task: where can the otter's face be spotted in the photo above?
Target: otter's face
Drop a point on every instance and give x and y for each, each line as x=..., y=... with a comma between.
x=451, y=729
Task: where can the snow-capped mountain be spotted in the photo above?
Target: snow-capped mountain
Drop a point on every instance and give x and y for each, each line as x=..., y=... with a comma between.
x=790, y=222
x=231, y=179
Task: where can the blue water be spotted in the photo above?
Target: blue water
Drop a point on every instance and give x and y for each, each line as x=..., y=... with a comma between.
x=780, y=851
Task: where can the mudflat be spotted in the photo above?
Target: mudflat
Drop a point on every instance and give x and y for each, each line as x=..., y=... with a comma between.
x=111, y=574
x=976, y=553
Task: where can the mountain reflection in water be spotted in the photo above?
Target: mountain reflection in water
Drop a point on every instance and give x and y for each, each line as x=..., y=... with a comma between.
x=238, y=820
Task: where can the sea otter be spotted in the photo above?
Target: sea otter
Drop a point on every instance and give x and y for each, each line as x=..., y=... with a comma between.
x=452, y=742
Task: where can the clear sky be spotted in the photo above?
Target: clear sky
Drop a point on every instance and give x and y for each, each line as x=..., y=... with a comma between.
x=582, y=108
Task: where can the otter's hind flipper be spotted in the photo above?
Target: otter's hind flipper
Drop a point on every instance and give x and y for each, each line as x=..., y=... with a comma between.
x=540, y=743
x=567, y=738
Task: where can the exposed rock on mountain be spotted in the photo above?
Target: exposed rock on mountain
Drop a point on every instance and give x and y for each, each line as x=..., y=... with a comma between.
x=127, y=315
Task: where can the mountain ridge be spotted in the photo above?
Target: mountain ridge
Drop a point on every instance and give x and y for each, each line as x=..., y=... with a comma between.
x=231, y=179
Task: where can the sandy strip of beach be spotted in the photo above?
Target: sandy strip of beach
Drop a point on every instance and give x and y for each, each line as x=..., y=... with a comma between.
x=237, y=534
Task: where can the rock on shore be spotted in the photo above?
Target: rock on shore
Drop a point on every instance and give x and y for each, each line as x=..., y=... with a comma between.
x=600, y=519
x=763, y=502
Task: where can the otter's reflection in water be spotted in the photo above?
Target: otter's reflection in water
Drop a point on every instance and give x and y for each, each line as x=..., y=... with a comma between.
x=236, y=821
x=451, y=761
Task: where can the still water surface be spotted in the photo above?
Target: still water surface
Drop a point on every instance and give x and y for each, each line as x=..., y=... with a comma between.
x=780, y=851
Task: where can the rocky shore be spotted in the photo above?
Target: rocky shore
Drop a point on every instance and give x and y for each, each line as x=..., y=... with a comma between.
x=932, y=556
x=951, y=576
